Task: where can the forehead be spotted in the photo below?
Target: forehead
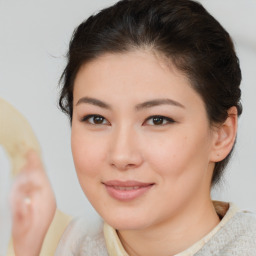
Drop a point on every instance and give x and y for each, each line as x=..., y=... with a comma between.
x=136, y=75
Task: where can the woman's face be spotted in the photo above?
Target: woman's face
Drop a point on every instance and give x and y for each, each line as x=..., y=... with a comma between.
x=141, y=140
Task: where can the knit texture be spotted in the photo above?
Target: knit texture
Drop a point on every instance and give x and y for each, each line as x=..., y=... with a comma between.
x=235, y=237
x=82, y=238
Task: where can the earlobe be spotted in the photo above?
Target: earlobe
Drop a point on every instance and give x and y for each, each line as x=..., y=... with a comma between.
x=225, y=135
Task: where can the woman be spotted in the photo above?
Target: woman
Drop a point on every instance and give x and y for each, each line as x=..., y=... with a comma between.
x=152, y=91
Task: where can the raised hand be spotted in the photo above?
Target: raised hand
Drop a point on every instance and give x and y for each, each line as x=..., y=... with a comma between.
x=33, y=207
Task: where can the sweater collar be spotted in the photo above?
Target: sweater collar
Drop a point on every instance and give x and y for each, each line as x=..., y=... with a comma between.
x=225, y=210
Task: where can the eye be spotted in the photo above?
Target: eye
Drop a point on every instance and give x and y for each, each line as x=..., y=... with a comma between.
x=95, y=120
x=158, y=120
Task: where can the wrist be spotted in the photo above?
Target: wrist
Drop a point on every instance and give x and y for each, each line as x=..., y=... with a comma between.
x=28, y=246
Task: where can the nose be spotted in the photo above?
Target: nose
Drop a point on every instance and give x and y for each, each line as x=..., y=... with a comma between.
x=124, y=152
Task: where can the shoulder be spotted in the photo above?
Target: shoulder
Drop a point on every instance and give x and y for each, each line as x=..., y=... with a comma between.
x=237, y=237
x=246, y=217
x=241, y=231
x=82, y=237
x=244, y=225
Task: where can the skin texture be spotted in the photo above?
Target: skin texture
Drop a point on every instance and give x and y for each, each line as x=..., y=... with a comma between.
x=124, y=144
x=33, y=207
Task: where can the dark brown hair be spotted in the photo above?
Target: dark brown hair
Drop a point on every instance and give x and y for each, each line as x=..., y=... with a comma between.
x=182, y=31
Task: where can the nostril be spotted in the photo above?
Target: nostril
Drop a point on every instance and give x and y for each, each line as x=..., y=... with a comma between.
x=125, y=163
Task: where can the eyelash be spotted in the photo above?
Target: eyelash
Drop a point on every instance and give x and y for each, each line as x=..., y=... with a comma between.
x=165, y=120
x=88, y=117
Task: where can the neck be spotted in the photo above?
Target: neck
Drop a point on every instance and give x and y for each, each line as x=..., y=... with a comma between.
x=174, y=235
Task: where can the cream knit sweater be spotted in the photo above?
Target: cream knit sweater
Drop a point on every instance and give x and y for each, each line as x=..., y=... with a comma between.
x=235, y=235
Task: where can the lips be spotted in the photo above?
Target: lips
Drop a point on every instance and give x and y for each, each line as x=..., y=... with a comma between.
x=126, y=190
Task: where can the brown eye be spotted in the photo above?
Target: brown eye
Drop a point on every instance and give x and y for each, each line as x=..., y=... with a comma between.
x=157, y=120
x=98, y=119
x=95, y=120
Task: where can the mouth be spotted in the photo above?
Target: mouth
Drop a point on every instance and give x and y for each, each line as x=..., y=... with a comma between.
x=126, y=190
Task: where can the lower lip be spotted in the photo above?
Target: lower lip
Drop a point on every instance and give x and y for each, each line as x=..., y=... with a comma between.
x=126, y=195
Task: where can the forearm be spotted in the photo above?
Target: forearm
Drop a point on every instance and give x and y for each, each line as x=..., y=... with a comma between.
x=28, y=248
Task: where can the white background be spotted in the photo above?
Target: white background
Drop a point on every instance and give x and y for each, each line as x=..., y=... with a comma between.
x=34, y=37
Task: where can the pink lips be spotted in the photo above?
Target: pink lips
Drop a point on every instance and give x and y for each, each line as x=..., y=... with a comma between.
x=126, y=190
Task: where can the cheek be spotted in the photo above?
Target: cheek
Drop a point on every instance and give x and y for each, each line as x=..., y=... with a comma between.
x=180, y=155
x=88, y=154
x=166, y=153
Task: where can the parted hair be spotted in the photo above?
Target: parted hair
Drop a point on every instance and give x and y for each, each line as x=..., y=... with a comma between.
x=180, y=30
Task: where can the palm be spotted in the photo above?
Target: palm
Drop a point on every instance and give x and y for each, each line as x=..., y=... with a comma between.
x=33, y=206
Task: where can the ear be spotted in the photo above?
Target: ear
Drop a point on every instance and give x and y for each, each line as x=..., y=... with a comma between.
x=224, y=136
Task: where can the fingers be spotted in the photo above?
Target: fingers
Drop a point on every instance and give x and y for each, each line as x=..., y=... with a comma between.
x=33, y=206
x=32, y=176
x=21, y=205
x=26, y=186
x=33, y=162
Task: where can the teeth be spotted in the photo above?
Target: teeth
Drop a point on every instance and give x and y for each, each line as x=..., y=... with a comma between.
x=126, y=188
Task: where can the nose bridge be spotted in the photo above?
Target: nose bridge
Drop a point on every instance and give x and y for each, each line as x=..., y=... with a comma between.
x=124, y=151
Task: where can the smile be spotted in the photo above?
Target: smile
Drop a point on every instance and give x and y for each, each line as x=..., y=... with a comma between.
x=126, y=190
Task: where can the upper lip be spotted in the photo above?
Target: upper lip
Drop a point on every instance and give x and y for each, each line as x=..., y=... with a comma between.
x=127, y=183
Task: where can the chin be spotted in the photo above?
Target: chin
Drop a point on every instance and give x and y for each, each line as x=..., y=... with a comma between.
x=126, y=222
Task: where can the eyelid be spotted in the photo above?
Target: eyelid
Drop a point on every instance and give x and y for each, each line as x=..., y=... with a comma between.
x=167, y=120
x=87, y=117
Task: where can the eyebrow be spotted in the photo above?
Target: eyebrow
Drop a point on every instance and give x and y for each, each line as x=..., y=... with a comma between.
x=93, y=101
x=157, y=102
x=146, y=104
